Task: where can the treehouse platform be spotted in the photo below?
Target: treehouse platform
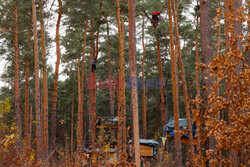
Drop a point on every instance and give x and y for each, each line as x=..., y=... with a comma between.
x=169, y=130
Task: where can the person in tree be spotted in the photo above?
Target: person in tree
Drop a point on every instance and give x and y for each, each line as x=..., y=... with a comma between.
x=155, y=18
x=94, y=61
x=197, y=8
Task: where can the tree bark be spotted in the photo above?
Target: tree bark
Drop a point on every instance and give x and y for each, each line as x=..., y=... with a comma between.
x=97, y=35
x=17, y=89
x=163, y=101
x=26, y=106
x=197, y=86
x=133, y=75
x=30, y=129
x=219, y=31
x=42, y=112
x=206, y=42
x=144, y=103
x=248, y=38
x=72, y=128
x=84, y=127
x=124, y=120
x=217, y=55
x=183, y=77
x=163, y=104
x=95, y=56
x=79, y=115
x=94, y=107
x=45, y=86
x=177, y=141
x=82, y=75
x=121, y=104
x=111, y=91
x=55, y=86
x=81, y=93
x=91, y=86
x=207, y=54
x=237, y=4
x=236, y=48
x=37, y=86
x=226, y=26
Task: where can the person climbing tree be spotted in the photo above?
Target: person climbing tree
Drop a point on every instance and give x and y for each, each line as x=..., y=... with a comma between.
x=155, y=18
x=94, y=61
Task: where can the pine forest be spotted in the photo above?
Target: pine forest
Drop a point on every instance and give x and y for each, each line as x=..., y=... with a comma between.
x=124, y=83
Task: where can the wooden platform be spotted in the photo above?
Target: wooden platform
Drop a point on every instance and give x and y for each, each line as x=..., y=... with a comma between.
x=184, y=140
x=146, y=151
x=187, y=141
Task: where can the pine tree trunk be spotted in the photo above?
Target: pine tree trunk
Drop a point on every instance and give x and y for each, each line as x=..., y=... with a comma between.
x=111, y=91
x=198, y=116
x=237, y=48
x=237, y=4
x=119, y=111
x=133, y=75
x=79, y=115
x=217, y=55
x=183, y=77
x=95, y=56
x=42, y=112
x=30, y=128
x=219, y=31
x=55, y=86
x=121, y=142
x=226, y=26
x=207, y=53
x=72, y=128
x=144, y=103
x=84, y=127
x=92, y=52
x=82, y=73
x=80, y=95
x=206, y=41
x=45, y=87
x=157, y=119
x=162, y=102
x=37, y=87
x=124, y=128
x=248, y=38
x=17, y=89
x=26, y=107
x=94, y=109
x=97, y=35
x=177, y=141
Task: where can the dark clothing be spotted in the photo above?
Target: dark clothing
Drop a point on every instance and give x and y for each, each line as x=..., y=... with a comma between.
x=94, y=61
x=159, y=33
x=93, y=67
x=197, y=7
x=155, y=18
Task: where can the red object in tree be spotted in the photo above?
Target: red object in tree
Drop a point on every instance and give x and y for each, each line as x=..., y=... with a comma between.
x=156, y=13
